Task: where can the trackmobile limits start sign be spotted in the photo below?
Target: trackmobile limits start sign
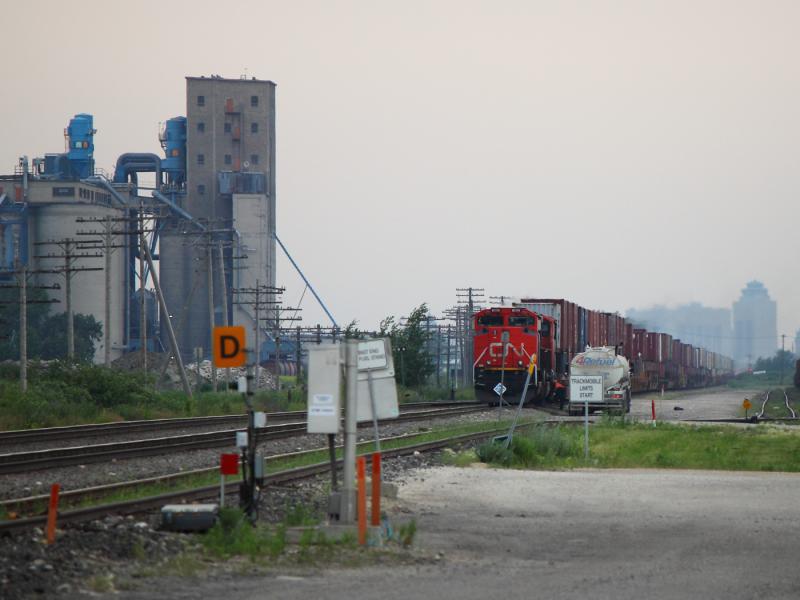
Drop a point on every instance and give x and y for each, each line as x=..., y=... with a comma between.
x=586, y=388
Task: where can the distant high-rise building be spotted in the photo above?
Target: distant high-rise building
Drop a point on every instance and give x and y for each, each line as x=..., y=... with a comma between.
x=694, y=324
x=755, y=328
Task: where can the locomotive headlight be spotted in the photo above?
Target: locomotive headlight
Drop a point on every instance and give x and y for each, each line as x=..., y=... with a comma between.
x=519, y=362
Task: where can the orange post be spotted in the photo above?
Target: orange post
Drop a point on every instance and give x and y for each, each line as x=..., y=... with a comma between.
x=361, y=467
x=52, y=512
x=376, y=488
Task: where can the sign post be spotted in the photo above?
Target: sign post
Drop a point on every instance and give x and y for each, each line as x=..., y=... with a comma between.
x=372, y=355
x=228, y=465
x=746, y=406
x=586, y=388
x=374, y=361
x=510, y=436
x=230, y=350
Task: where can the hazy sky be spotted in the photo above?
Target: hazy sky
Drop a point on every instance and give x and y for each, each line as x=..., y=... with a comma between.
x=618, y=153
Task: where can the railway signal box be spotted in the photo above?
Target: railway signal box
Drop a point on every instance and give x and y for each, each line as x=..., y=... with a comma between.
x=324, y=388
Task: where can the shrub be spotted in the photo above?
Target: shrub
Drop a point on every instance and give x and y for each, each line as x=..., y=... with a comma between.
x=234, y=535
x=529, y=450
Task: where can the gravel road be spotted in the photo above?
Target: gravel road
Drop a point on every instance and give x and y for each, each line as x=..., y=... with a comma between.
x=611, y=534
x=713, y=403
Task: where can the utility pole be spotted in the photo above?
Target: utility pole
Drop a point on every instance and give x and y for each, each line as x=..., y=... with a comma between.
x=469, y=298
x=208, y=240
x=449, y=343
x=22, y=273
x=438, y=355
x=211, y=323
x=142, y=305
x=163, y=303
x=71, y=254
x=224, y=298
x=178, y=328
x=104, y=241
x=499, y=300
x=783, y=354
x=23, y=329
x=258, y=298
x=277, y=329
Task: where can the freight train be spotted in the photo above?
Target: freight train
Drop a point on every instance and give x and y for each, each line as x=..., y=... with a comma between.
x=549, y=333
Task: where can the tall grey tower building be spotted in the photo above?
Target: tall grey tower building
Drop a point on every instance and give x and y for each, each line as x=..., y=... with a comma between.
x=755, y=328
x=230, y=189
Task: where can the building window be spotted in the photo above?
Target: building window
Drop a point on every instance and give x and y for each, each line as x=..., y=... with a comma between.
x=253, y=127
x=253, y=100
x=201, y=159
x=254, y=159
x=201, y=127
x=201, y=189
x=201, y=101
x=227, y=159
x=227, y=127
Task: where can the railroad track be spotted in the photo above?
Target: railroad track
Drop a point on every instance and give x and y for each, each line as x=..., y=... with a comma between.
x=786, y=403
x=140, y=505
x=97, y=429
x=21, y=462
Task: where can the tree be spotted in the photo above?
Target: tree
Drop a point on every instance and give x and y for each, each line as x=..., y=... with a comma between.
x=47, y=333
x=352, y=332
x=782, y=362
x=412, y=361
x=87, y=332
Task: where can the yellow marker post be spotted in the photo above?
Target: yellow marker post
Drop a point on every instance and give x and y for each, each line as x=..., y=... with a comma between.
x=746, y=406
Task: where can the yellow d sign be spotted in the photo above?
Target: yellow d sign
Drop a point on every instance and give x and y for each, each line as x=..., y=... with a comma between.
x=746, y=404
x=229, y=350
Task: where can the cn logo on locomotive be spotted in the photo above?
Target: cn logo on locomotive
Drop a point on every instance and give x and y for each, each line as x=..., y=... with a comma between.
x=496, y=350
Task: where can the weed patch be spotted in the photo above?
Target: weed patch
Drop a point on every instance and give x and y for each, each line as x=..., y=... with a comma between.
x=615, y=444
x=233, y=535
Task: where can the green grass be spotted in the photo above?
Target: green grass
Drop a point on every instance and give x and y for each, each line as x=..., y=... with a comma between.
x=59, y=394
x=233, y=535
x=616, y=444
x=759, y=382
x=434, y=394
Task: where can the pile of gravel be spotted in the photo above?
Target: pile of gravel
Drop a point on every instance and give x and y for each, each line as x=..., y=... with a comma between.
x=82, y=555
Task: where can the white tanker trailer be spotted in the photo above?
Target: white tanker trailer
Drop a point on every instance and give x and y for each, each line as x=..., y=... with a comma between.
x=614, y=368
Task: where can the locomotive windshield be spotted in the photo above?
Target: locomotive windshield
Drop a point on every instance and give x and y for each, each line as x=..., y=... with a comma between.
x=545, y=332
x=490, y=320
x=521, y=321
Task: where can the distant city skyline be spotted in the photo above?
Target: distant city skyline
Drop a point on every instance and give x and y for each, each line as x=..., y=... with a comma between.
x=745, y=331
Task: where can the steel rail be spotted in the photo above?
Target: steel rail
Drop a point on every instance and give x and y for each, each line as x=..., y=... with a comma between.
x=786, y=401
x=763, y=405
x=20, y=462
x=93, y=429
x=211, y=491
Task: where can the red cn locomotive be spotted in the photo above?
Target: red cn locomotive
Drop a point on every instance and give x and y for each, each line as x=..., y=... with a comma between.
x=506, y=341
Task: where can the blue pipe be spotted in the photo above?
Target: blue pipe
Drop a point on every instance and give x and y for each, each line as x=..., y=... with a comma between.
x=102, y=181
x=178, y=210
x=131, y=163
x=294, y=264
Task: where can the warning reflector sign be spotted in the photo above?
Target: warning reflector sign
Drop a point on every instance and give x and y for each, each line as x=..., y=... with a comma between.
x=229, y=347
